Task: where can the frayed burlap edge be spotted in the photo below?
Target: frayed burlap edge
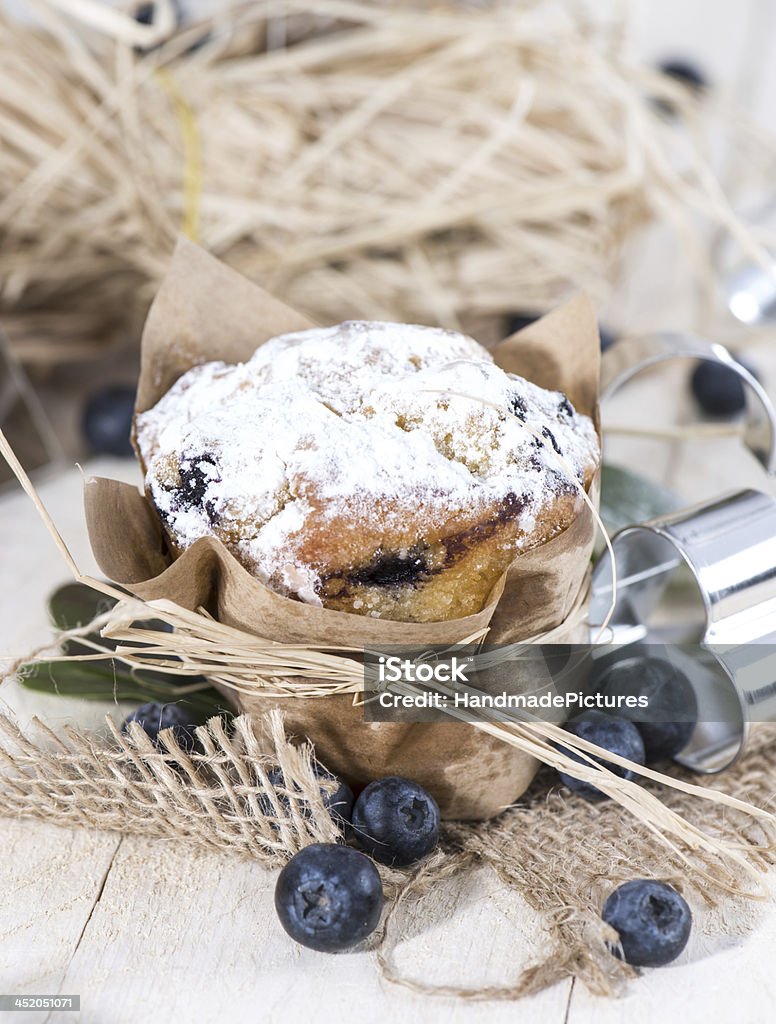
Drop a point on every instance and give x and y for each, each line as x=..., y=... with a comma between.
x=221, y=799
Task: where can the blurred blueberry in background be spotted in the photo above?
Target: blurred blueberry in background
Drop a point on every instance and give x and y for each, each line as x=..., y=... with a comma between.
x=107, y=420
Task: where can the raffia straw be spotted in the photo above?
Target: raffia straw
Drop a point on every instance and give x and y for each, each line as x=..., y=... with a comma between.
x=689, y=432
x=122, y=26
x=532, y=736
x=519, y=188
x=254, y=659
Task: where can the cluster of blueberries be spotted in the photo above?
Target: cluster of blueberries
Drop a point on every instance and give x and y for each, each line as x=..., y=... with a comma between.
x=644, y=735
x=329, y=896
x=652, y=919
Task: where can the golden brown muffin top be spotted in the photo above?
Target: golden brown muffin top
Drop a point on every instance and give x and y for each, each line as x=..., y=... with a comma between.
x=364, y=425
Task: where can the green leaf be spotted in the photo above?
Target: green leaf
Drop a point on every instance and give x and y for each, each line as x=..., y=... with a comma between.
x=110, y=680
x=628, y=498
x=74, y=605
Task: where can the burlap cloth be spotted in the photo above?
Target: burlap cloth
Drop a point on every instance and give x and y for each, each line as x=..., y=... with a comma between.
x=561, y=854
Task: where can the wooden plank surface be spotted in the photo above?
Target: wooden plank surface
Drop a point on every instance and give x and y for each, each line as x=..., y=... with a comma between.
x=145, y=931
x=724, y=975
x=191, y=935
x=51, y=879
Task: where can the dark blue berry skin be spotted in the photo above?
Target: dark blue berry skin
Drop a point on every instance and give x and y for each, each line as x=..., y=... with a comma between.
x=517, y=321
x=614, y=734
x=153, y=717
x=329, y=897
x=718, y=390
x=608, y=338
x=396, y=821
x=144, y=14
x=107, y=420
x=339, y=803
x=652, y=920
x=686, y=73
x=673, y=709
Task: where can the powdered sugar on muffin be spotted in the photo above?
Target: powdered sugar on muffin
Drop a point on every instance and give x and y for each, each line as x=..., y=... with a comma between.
x=341, y=364
x=355, y=466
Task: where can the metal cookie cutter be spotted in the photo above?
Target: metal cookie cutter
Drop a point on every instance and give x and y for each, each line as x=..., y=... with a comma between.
x=727, y=553
x=630, y=356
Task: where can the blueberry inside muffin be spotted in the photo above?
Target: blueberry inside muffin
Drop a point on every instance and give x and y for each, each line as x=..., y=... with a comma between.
x=375, y=468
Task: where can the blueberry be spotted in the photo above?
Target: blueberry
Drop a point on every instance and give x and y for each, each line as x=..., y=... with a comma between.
x=546, y=432
x=516, y=405
x=652, y=920
x=718, y=390
x=153, y=717
x=339, y=802
x=607, y=337
x=667, y=724
x=392, y=570
x=517, y=321
x=144, y=15
x=107, y=420
x=686, y=73
x=396, y=821
x=614, y=734
x=566, y=408
x=197, y=472
x=329, y=897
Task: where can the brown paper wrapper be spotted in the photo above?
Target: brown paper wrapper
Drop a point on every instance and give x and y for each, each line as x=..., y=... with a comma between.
x=205, y=311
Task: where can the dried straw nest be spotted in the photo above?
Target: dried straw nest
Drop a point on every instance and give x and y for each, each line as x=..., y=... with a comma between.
x=402, y=161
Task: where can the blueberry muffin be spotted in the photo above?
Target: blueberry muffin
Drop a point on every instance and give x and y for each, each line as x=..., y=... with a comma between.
x=375, y=468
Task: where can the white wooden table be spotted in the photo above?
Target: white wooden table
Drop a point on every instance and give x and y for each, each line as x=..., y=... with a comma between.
x=145, y=931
